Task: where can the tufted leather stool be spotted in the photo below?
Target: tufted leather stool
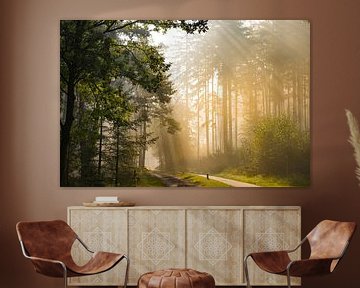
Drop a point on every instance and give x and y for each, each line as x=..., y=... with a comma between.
x=176, y=278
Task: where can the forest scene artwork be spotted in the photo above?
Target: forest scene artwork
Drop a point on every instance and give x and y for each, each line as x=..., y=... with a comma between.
x=184, y=103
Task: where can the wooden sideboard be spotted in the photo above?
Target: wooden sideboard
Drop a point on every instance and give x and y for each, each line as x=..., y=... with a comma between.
x=211, y=239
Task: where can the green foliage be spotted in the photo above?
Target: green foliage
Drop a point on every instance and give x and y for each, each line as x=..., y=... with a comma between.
x=275, y=152
x=190, y=26
x=201, y=181
x=117, y=101
x=148, y=180
x=114, y=83
x=278, y=147
x=266, y=180
x=229, y=77
x=215, y=163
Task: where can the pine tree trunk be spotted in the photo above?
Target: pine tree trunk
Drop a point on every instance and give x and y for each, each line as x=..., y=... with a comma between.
x=213, y=111
x=230, y=120
x=206, y=96
x=143, y=147
x=100, y=149
x=237, y=95
x=65, y=133
x=117, y=156
x=225, y=114
x=198, y=123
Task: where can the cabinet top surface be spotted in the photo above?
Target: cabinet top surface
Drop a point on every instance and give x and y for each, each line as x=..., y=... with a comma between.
x=192, y=207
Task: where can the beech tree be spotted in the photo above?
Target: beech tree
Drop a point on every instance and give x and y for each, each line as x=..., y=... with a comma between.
x=94, y=54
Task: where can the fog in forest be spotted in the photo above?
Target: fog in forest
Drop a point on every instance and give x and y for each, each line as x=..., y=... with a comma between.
x=215, y=103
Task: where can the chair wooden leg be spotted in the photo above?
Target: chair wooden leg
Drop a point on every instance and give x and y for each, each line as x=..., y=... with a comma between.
x=246, y=271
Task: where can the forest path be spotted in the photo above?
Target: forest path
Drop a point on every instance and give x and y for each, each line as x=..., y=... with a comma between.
x=230, y=182
x=172, y=181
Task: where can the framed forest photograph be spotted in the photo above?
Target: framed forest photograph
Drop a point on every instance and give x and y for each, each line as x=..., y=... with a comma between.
x=185, y=103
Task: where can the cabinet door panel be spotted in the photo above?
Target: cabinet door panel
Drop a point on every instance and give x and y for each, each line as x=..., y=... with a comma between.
x=209, y=239
x=214, y=244
x=269, y=230
x=156, y=240
x=100, y=230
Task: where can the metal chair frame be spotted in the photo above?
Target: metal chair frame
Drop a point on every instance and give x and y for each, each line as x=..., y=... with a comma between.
x=23, y=249
x=288, y=276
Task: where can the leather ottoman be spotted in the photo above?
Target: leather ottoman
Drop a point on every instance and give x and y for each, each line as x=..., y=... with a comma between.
x=176, y=278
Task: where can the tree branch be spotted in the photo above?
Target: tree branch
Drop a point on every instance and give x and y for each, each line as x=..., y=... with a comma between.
x=121, y=27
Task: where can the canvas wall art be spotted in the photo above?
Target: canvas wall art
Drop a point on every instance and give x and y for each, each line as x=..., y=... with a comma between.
x=184, y=103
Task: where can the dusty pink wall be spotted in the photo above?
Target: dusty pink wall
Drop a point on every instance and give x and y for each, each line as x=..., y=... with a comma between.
x=29, y=119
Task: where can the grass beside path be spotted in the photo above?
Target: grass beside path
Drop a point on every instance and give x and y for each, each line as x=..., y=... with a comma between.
x=265, y=181
x=148, y=180
x=201, y=181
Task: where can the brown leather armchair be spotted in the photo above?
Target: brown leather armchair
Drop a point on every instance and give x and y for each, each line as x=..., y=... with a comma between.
x=48, y=245
x=328, y=242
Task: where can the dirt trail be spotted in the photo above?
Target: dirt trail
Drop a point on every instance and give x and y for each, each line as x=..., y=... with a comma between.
x=172, y=181
x=230, y=182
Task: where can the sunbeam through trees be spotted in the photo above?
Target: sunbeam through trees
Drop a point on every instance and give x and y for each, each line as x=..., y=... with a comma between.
x=177, y=102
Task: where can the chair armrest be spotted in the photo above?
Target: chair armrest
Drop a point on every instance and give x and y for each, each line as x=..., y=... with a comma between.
x=45, y=260
x=298, y=246
x=268, y=254
x=280, y=251
x=309, y=267
x=83, y=244
x=48, y=267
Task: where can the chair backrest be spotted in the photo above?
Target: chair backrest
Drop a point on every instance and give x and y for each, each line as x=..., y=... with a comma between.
x=329, y=239
x=46, y=239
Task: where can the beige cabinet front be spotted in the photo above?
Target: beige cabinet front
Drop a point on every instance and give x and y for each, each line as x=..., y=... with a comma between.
x=268, y=230
x=214, y=241
x=101, y=230
x=208, y=239
x=156, y=240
